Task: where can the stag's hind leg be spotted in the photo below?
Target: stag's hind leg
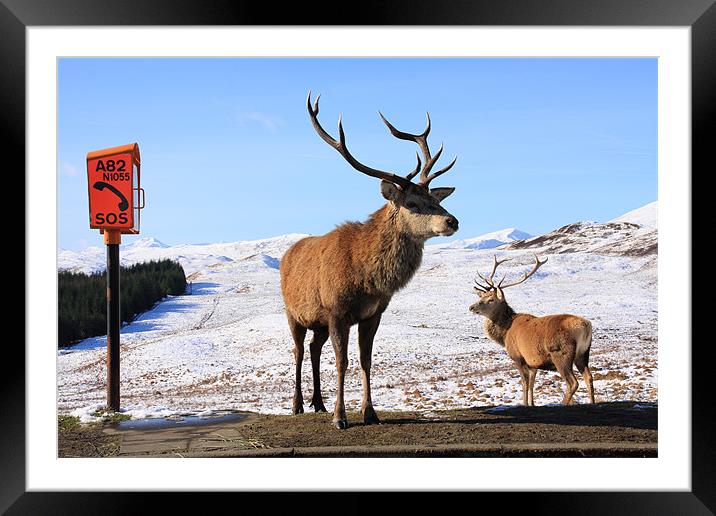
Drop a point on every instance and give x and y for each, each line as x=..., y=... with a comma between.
x=581, y=361
x=524, y=377
x=532, y=374
x=583, y=369
x=587, y=374
x=299, y=334
x=320, y=337
x=567, y=374
x=366, y=334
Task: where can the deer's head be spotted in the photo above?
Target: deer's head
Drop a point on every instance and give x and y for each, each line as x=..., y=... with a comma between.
x=418, y=206
x=492, y=297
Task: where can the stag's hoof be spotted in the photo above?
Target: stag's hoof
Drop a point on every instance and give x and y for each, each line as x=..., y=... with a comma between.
x=297, y=409
x=319, y=407
x=341, y=424
x=370, y=417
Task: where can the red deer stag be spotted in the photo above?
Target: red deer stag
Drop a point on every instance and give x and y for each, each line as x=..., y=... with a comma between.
x=550, y=342
x=349, y=275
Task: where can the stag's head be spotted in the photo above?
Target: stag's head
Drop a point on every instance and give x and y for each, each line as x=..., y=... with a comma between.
x=418, y=206
x=492, y=296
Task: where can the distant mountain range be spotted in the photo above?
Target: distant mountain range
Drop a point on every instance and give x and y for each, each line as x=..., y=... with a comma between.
x=631, y=234
x=489, y=240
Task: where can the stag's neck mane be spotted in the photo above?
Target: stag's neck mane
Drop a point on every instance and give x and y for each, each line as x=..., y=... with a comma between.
x=390, y=254
x=497, y=326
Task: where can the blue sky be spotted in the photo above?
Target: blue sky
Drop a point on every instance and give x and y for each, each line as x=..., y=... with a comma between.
x=228, y=151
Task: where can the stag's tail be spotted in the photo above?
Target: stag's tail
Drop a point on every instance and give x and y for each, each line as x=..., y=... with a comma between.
x=584, y=342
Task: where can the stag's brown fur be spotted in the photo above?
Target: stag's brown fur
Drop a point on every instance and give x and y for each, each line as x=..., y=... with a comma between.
x=350, y=273
x=553, y=342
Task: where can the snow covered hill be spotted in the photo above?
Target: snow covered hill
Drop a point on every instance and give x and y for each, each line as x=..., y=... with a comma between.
x=646, y=216
x=489, y=240
x=193, y=257
x=631, y=234
x=227, y=346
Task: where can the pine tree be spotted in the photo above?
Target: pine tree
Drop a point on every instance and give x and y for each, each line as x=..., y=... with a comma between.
x=82, y=305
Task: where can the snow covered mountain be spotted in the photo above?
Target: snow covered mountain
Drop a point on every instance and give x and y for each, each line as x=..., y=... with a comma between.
x=193, y=257
x=631, y=234
x=144, y=243
x=646, y=216
x=489, y=240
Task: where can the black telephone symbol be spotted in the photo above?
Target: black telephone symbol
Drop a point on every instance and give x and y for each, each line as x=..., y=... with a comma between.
x=123, y=203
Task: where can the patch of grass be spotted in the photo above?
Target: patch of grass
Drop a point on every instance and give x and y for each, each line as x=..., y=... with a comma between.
x=116, y=417
x=67, y=423
x=109, y=416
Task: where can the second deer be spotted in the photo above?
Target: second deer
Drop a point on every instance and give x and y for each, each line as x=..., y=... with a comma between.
x=552, y=342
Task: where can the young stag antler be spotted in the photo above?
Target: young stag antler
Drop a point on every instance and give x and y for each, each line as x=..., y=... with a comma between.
x=538, y=264
x=490, y=284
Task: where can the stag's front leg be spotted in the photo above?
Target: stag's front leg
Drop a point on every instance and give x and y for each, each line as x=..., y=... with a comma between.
x=319, y=339
x=299, y=334
x=366, y=333
x=339, y=332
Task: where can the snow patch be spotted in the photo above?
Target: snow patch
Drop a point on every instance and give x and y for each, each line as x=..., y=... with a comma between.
x=646, y=216
x=271, y=261
x=489, y=240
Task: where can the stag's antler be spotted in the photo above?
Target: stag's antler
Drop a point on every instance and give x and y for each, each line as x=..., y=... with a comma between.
x=538, y=264
x=403, y=182
x=480, y=287
x=422, y=141
x=490, y=283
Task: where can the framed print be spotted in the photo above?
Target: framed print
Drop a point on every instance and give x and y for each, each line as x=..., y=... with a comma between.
x=559, y=113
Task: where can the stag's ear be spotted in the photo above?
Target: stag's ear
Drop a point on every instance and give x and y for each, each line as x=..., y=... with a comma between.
x=390, y=191
x=500, y=294
x=441, y=193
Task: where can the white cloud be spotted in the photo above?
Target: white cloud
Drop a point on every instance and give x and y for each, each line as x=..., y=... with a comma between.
x=69, y=170
x=269, y=122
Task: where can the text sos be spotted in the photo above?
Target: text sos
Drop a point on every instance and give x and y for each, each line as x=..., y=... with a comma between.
x=100, y=219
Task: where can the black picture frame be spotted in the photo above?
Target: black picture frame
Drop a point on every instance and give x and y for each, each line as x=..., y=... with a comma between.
x=700, y=15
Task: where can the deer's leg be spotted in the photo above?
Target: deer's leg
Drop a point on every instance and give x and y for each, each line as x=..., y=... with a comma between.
x=366, y=333
x=524, y=376
x=588, y=380
x=299, y=334
x=532, y=374
x=587, y=374
x=319, y=339
x=564, y=367
x=339, y=332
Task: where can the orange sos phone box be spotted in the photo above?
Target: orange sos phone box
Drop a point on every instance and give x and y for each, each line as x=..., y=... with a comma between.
x=113, y=187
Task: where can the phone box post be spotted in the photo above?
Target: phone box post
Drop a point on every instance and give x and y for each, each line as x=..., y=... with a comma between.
x=115, y=201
